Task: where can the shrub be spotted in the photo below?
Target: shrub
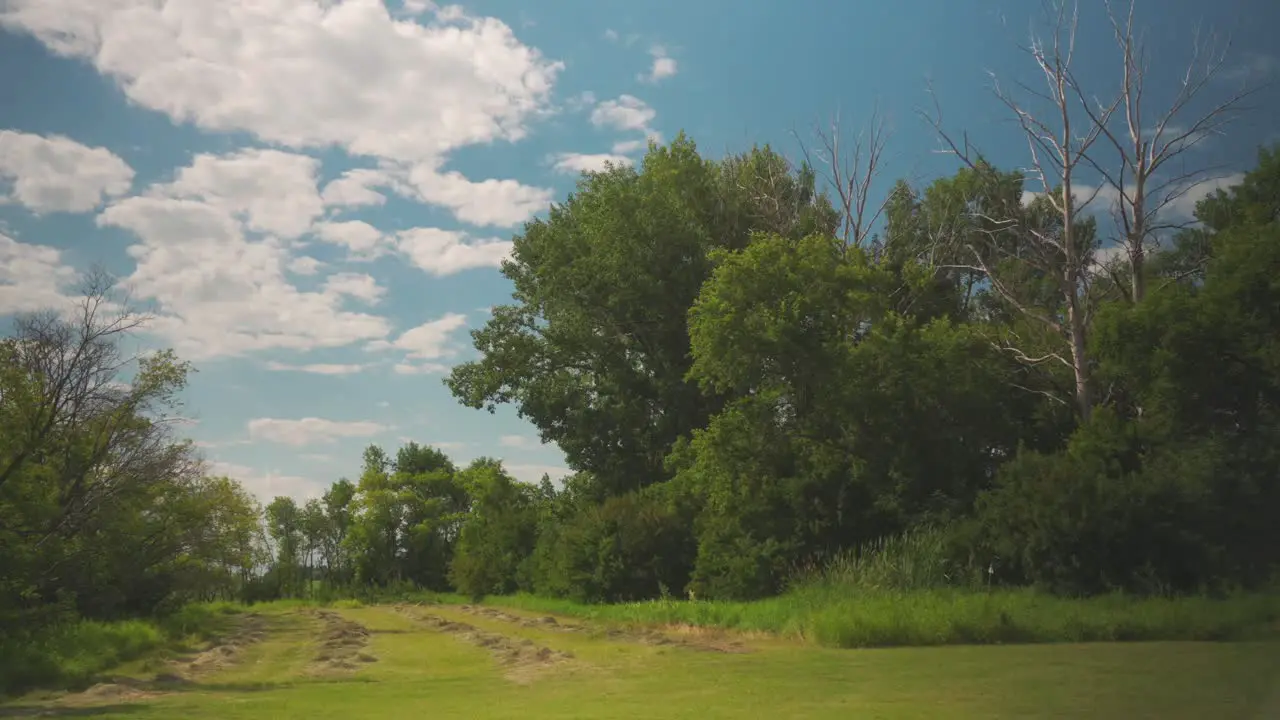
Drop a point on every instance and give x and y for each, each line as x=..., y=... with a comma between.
x=1106, y=514
x=629, y=548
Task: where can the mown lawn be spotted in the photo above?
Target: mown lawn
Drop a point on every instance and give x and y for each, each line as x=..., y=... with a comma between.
x=423, y=672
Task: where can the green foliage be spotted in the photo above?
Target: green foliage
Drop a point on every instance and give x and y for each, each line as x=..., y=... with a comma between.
x=1104, y=516
x=498, y=537
x=594, y=349
x=628, y=548
x=71, y=653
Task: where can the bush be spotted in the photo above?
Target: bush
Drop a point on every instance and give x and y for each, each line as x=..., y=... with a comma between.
x=630, y=547
x=1106, y=514
x=733, y=565
x=69, y=654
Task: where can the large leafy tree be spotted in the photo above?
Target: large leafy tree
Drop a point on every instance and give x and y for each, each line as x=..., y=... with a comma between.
x=594, y=349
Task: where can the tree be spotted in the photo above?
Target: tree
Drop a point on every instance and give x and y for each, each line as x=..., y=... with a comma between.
x=1147, y=145
x=284, y=524
x=1051, y=237
x=594, y=349
x=84, y=457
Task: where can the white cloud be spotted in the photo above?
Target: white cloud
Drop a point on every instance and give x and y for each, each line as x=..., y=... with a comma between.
x=611, y=34
x=362, y=240
x=503, y=203
x=310, y=430
x=355, y=285
x=355, y=188
x=275, y=192
x=445, y=252
x=391, y=88
x=518, y=441
x=532, y=474
x=269, y=485
x=664, y=66
x=304, y=265
x=574, y=163
x=317, y=368
x=57, y=174
x=1184, y=206
x=627, y=112
x=32, y=277
x=427, y=368
x=626, y=147
x=429, y=341
x=222, y=294
x=308, y=74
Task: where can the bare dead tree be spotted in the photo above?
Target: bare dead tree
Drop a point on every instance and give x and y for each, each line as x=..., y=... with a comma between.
x=1147, y=146
x=1058, y=146
x=852, y=165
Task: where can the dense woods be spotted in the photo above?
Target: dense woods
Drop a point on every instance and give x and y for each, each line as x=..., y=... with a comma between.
x=745, y=389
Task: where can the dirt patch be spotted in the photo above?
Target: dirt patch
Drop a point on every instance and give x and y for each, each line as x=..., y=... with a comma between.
x=110, y=692
x=686, y=636
x=343, y=643
x=251, y=630
x=522, y=659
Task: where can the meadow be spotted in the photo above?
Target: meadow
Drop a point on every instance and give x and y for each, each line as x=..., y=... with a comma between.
x=534, y=658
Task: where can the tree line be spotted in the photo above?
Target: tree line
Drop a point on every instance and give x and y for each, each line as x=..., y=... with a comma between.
x=751, y=368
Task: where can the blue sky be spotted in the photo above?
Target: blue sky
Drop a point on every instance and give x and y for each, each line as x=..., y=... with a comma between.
x=314, y=195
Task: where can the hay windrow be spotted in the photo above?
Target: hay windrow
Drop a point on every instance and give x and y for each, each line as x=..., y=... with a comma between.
x=676, y=635
x=343, y=644
x=522, y=659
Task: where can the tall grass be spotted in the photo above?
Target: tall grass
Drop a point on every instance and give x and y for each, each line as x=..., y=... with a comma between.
x=907, y=590
x=72, y=652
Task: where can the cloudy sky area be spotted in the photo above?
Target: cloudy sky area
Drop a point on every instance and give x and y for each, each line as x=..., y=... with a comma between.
x=314, y=195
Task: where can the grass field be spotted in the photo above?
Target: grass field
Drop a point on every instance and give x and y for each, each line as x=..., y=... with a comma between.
x=411, y=661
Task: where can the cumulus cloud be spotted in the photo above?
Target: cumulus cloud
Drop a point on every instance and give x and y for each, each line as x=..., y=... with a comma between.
x=626, y=147
x=664, y=66
x=425, y=345
x=362, y=240
x=445, y=252
x=1176, y=201
x=304, y=265
x=361, y=286
x=626, y=112
x=575, y=163
x=308, y=74
x=355, y=188
x=275, y=192
x=502, y=203
x=221, y=293
x=310, y=430
x=57, y=174
x=270, y=484
x=32, y=277
x=318, y=368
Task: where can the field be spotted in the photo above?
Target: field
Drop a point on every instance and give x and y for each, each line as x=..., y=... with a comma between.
x=460, y=661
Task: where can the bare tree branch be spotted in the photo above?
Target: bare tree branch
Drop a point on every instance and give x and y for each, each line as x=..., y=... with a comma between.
x=852, y=167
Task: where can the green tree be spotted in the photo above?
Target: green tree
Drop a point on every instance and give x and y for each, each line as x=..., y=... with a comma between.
x=594, y=348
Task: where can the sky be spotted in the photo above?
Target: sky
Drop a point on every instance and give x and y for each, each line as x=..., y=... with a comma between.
x=313, y=196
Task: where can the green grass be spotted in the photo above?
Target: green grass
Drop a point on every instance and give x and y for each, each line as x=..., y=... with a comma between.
x=70, y=654
x=829, y=617
x=423, y=673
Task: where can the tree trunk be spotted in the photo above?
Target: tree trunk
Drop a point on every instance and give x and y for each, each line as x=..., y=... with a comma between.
x=1080, y=361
